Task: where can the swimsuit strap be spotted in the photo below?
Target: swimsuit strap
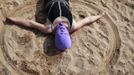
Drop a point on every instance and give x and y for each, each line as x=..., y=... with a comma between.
x=53, y=1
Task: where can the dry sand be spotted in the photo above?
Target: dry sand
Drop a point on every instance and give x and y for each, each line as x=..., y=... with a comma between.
x=102, y=48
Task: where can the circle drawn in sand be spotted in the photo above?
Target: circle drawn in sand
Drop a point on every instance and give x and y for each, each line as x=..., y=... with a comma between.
x=93, y=46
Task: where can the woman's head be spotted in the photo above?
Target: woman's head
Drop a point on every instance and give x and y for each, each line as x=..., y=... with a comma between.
x=62, y=37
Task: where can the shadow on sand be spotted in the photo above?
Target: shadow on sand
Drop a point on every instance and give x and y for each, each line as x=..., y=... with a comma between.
x=49, y=46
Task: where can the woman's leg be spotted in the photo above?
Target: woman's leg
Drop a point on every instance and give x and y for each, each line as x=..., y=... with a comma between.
x=86, y=21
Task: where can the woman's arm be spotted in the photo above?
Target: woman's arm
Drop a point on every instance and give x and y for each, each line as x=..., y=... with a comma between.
x=29, y=23
x=85, y=22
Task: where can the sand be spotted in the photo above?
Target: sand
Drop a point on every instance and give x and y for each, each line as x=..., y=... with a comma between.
x=104, y=47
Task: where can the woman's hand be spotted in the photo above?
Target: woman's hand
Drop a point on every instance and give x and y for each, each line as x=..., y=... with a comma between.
x=8, y=21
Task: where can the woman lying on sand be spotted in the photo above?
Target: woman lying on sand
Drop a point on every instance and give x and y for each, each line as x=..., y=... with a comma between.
x=61, y=22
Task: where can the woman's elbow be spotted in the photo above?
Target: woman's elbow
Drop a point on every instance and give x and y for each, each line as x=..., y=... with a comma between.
x=29, y=23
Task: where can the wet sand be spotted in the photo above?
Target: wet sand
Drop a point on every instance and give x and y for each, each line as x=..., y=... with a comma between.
x=104, y=47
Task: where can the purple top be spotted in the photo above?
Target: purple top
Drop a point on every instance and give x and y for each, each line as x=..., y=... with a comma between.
x=62, y=37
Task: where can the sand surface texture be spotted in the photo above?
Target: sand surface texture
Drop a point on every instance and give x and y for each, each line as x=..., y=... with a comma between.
x=105, y=47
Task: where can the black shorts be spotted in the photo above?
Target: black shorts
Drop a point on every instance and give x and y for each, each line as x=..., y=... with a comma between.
x=57, y=8
x=47, y=1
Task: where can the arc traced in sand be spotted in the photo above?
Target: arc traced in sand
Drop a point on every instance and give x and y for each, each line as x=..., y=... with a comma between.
x=100, y=40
